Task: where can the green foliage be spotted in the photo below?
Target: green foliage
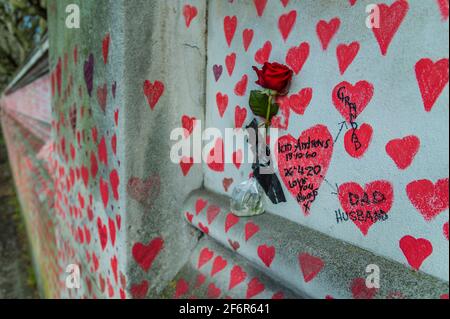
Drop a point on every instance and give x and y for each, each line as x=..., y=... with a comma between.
x=22, y=25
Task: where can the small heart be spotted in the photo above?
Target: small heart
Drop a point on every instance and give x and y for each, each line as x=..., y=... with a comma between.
x=357, y=141
x=139, y=291
x=327, y=30
x=391, y=17
x=230, y=62
x=415, y=250
x=217, y=70
x=222, y=103
x=229, y=26
x=300, y=101
x=297, y=56
x=237, y=276
x=188, y=123
x=186, y=164
x=88, y=73
x=360, y=291
x=432, y=79
x=346, y=54
x=230, y=221
x=403, y=150
x=247, y=37
x=181, y=289
x=153, y=92
x=260, y=5
x=238, y=158
x=241, y=86
x=205, y=256
x=213, y=292
x=255, y=287
x=102, y=151
x=112, y=231
x=189, y=13
x=263, y=55
x=443, y=8
x=216, y=155
x=200, y=204
x=310, y=266
x=240, y=114
x=266, y=254
x=144, y=255
x=105, y=47
x=218, y=265
x=428, y=198
x=234, y=244
x=250, y=230
x=445, y=230
x=104, y=191
x=227, y=183
x=203, y=228
x=114, y=181
x=189, y=217
x=211, y=213
x=102, y=233
x=286, y=23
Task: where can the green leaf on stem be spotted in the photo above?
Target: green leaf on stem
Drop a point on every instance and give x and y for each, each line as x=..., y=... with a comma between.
x=259, y=102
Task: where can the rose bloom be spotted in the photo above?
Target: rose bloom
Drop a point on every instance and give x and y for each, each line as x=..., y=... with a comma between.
x=274, y=76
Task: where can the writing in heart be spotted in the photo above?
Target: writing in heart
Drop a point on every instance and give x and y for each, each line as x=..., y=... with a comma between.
x=303, y=163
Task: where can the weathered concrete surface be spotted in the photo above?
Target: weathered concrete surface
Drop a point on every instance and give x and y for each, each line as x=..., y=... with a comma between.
x=16, y=272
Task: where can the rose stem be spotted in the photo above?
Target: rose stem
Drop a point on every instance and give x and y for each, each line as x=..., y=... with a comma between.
x=268, y=115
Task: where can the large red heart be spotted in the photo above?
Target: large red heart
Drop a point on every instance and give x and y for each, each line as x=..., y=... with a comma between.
x=352, y=99
x=432, y=79
x=213, y=291
x=303, y=163
x=375, y=199
x=391, y=18
x=112, y=231
x=229, y=27
x=310, y=266
x=153, y=92
x=241, y=86
x=237, y=275
x=200, y=204
x=415, y=250
x=266, y=254
x=357, y=141
x=144, y=255
x=403, y=150
x=297, y=56
x=230, y=62
x=189, y=13
x=327, y=30
x=428, y=198
x=286, y=23
x=346, y=54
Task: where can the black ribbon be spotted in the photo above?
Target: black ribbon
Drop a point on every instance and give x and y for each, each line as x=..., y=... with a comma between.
x=269, y=182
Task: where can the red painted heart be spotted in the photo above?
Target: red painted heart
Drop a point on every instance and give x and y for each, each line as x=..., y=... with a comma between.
x=145, y=255
x=350, y=100
x=356, y=142
x=432, y=79
x=391, y=17
x=255, y=287
x=365, y=206
x=403, y=150
x=263, y=55
x=222, y=103
x=266, y=254
x=237, y=276
x=229, y=26
x=415, y=250
x=310, y=266
x=327, y=30
x=286, y=22
x=428, y=198
x=297, y=56
x=153, y=92
x=303, y=163
x=346, y=54
x=189, y=13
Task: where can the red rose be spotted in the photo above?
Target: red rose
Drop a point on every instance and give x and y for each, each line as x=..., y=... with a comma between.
x=274, y=76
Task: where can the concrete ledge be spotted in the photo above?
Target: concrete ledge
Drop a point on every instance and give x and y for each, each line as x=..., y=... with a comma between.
x=306, y=262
